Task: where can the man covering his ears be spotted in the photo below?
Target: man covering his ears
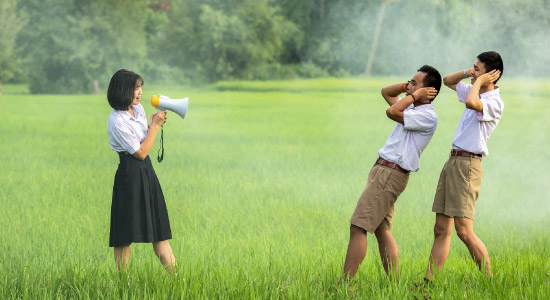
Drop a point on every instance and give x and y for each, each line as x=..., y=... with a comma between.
x=460, y=179
x=416, y=123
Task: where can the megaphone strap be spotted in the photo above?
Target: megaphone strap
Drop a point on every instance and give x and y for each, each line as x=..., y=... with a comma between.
x=160, y=153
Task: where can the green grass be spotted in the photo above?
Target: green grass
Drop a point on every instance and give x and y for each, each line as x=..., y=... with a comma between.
x=260, y=180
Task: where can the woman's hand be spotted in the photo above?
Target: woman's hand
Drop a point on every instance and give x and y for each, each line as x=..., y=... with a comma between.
x=158, y=119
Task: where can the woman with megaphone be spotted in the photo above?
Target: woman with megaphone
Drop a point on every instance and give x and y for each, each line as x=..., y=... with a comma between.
x=138, y=210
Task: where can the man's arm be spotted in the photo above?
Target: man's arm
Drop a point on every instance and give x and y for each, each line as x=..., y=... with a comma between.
x=453, y=79
x=391, y=92
x=396, y=111
x=473, y=101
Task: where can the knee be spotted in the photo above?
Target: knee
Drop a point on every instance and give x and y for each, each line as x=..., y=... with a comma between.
x=464, y=234
x=441, y=231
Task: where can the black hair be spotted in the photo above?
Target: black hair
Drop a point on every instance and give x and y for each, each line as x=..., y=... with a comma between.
x=492, y=61
x=121, y=89
x=432, y=78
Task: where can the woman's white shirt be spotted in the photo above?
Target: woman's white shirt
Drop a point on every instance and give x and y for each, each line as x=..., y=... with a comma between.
x=126, y=133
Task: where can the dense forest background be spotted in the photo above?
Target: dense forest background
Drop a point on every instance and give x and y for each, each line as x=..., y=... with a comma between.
x=74, y=46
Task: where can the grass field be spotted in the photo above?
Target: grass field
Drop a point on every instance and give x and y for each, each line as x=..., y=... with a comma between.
x=260, y=181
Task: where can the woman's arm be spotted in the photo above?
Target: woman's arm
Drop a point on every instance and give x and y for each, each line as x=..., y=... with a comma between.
x=157, y=120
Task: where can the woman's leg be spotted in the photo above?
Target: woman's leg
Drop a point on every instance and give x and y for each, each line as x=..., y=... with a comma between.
x=165, y=254
x=120, y=252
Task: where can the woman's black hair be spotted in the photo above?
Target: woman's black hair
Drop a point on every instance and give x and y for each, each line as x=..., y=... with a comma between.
x=121, y=89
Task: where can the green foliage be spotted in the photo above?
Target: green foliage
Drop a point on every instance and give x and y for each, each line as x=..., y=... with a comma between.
x=66, y=45
x=11, y=22
x=72, y=43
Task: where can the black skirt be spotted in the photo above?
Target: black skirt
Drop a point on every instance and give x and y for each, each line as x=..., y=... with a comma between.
x=138, y=211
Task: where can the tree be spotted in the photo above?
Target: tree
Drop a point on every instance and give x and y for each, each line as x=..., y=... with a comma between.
x=69, y=44
x=11, y=23
x=376, y=35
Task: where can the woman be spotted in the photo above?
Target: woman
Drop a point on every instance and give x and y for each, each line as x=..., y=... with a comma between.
x=138, y=210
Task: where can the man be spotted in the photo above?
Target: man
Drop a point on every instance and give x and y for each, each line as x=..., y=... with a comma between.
x=416, y=124
x=460, y=179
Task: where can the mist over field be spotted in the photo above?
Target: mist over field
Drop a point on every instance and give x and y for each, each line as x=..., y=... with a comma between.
x=75, y=46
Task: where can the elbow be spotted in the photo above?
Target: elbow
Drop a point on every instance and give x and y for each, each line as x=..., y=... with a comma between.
x=446, y=81
x=139, y=155
x=383, y=93
x=470, y=103
x=389, y=113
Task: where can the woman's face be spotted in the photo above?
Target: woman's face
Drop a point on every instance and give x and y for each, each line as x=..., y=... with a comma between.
x=137, y=94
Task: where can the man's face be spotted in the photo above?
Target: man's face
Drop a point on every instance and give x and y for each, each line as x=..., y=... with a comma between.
x=416, y=82
x=479, y=69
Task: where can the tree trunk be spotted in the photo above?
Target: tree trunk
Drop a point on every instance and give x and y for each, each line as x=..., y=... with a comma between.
x=322, y=10
x=96, y=87
x=376, y=34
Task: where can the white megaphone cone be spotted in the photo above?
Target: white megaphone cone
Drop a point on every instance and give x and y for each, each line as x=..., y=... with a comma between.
x=178, y=106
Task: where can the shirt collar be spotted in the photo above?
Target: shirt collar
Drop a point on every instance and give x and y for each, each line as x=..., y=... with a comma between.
x=127, y=116
x=493, y=92
x=424, y=107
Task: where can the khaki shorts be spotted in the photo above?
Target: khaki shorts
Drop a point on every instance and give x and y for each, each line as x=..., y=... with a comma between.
x=376, y=204
x=458, y=187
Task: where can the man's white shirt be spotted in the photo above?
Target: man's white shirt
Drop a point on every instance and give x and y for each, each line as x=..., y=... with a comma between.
x=475, y=128
x=408, y=140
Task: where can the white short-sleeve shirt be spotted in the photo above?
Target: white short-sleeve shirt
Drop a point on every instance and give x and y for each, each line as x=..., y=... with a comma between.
x=126, y=133
x=475, y=128
x=408, y=140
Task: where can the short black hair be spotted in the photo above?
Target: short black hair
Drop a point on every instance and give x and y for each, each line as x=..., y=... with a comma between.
x=432, y=78
x=492, y=61
x=121, y=89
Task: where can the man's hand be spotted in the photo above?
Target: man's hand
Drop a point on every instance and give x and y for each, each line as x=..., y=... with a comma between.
x=488, y=78
x=469, y=72
x=424, y=95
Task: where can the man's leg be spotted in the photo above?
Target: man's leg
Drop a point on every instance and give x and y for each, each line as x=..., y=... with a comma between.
x=389, y=253
x=442, y=243
x=478, y=251
x=357, y=248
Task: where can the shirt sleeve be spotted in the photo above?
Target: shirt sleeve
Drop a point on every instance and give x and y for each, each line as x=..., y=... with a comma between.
x=462, y=90
x=415, y=120
x=127, y=139
x=492, y=110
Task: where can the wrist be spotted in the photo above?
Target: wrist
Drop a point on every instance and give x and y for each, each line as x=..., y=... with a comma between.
x=403, y=87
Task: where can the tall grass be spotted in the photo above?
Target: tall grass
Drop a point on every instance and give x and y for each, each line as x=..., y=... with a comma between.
x=260, y=181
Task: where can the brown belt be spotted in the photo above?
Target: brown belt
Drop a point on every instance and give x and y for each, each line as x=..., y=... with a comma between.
x=455, y=152
x=392, y=165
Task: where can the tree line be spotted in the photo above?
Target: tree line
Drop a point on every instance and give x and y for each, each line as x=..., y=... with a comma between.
x=74, y=46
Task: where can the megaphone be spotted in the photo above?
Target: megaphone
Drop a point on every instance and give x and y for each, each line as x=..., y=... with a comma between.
x=178, y=106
